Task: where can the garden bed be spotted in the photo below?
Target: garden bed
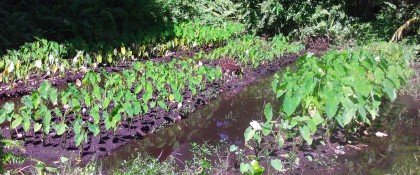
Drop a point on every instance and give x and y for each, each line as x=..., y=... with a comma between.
x=108, y=141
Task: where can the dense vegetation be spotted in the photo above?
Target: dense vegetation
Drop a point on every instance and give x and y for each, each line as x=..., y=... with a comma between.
x=165, y=54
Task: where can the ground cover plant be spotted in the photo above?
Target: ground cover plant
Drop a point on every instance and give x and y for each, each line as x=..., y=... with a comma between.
x=340, y=90
x=150, y=61
x=253, y=50
x=106, y=99
x=44, y=57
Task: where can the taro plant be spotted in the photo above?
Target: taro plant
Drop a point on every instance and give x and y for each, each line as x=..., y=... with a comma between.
x=107, y=98
x=342, y=89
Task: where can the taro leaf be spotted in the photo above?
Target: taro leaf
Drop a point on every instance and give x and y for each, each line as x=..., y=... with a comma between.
x=379, y=75
x=266, y=128
x=148, y=92
x=106, y=102
x=162, y=105
x=291, y=102
x=97, y=92
x=94, y=112
x=306, y=134
x=244, y=167
x=136, y=107
x=54, y=96
x=152, y=104
x=333, y=102
x=88, y=100
x=277, y=164
x=178, y=96
x=274, y=84
x=280, y=140
x=312, y=126
x=171, y=97
x=145, y=108
x=60, y=128
x=129, y=109
x=389, y=89
x=248, y=134
x=44, y=89
x=256, y=168
x=26, y=125
x=349, y=110
x=107, y=120
x=138, y=88
x=16, y=122
x=78, y=139
x=3, y=115
x=27, y=101
x=233, y=148
x=268, y=112
x=8, y=107
x=94, y=129
x=46, y=121
x=37, y=127
x=363, y=87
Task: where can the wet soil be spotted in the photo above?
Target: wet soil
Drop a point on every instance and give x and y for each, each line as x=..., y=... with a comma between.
x=21, y=88
x=222, y=122
x=55, y=147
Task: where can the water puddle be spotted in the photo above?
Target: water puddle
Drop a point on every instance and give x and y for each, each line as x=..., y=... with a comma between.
x=399, y=152
x=223, y=120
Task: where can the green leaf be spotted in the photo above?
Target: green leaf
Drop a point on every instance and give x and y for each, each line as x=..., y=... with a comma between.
x=389, y=89
x=256, y=168
x=280, y=140
x=54, y=96
x=266, y=128
x=26, y=125
x=306, y=134
x=9, y=107
x=233, y=148
x=333, y=102
x=60, y=128
x=277, y=164
x=244, y=167
x=129, y=109
x=94, y=129
x=349, y=110
x=248, y=134
x=162, y=105
x=291, y=102
x=27, y=101
x=268, y=112
x=16, y=122
x=37, y=127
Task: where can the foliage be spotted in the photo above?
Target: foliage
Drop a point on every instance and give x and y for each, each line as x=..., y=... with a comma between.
x=8, y=157
x=48, y=57
x=94, y=21
x=215, y=12
x=145, y=166
x=253, y=50
x=114, y=95
x=342, y=89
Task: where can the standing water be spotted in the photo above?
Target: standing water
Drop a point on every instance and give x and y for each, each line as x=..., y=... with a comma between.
x=223, y=120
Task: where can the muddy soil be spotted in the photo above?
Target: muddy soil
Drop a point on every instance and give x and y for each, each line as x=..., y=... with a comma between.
x=223, y=121
x=55, y=147
x=21, y=88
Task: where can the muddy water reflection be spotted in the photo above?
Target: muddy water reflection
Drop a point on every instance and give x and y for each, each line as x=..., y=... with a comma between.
x=222, y=121
x=399, y=153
